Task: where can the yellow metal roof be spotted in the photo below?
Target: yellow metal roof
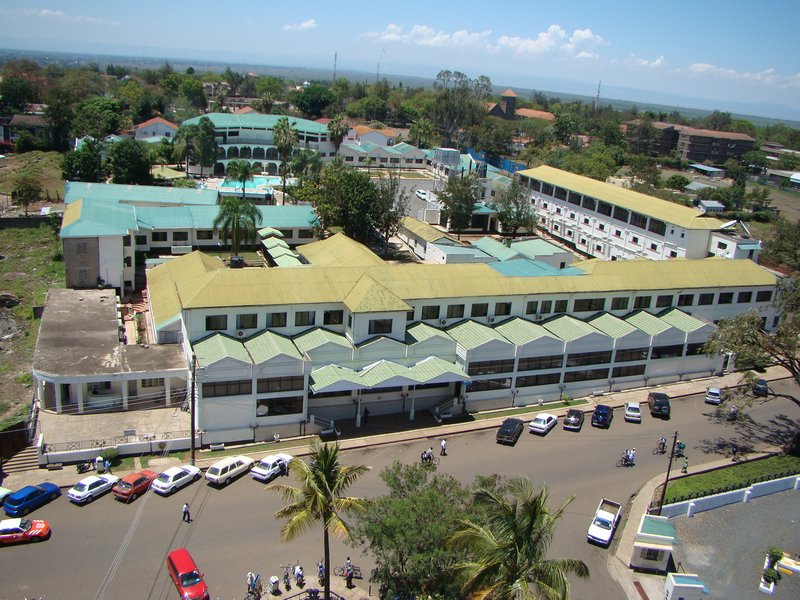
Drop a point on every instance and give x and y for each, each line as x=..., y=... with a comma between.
x=663, y=210
x=424, y=231
x=369, y=296
x=339, y=251
x=72, y=214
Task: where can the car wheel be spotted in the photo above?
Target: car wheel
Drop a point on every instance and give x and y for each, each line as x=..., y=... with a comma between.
x=227, y=481
x=24, y=511
x=89, y=499
x=53, y=496
x=134, y=496
x=196, y=477
x=35, y=539
x=172, y=490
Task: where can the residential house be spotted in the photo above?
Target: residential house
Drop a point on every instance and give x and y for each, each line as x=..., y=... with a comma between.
x=155, y=128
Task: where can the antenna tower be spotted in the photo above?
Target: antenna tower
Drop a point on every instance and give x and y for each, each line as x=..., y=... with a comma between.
x=334, y=64
x=597, y=98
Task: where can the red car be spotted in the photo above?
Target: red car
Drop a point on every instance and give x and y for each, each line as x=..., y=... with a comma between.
x=186, y=576
x=13, y=531
x=133, y=485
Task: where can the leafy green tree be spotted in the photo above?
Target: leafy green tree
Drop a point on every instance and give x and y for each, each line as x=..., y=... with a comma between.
x=508, y=555
x=306, y=164
x=272, y=85
x=717, y=121
x=564, y=128
x=82, y=84
x=27, y=189
x=758, y=199
x=338, y=128
x=242, y=171
x=184, y=147
x=314, y=99
x=514, y=210
x=755, y=157
x=390, y=207
x=458, y=199
x=423, y=133
x=788, y=162
x=493, y=136
x=238, y=220
x=320, y=498
x=264, y=103
x=192, y=90
x=87, y=163
x=783, y=246
x=676, y=182
x=645, y=169
x=59, y=114
x=205, y=144
x=130, y=162
x=97, y=117
x=15, y=94
x=285, y=139
x=458, y=102
x=642, y=135
x=234, y=80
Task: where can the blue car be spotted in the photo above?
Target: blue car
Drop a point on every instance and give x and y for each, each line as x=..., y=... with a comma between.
x=31, y=497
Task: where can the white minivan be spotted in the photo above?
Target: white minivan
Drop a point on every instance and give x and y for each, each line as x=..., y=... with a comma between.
x=228, y=468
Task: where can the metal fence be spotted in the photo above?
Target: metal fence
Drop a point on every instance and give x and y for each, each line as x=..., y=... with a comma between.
x=113, y=441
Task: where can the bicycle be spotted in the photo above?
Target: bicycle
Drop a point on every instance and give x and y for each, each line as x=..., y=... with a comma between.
x=342, y=571
x=624, y=460
x=254, y=588
x=661, y=448
x=432, y=460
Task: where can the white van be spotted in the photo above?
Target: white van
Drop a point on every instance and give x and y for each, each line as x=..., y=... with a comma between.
x=226, y=469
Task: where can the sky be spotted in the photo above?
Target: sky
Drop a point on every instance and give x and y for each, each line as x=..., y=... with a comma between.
x=730, y=55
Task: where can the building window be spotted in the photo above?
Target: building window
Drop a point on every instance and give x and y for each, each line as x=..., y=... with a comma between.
x=455, y=311
x=705, y=299
x=638, y=220
x=430, y=312
x=410, y=316
x=539, y=363
x=484, y=385
x=98, y=386
x=556, y=227
x=305, y=234
x=654, y=247
x=531, y=307
x=657, y=227
x=621, y=214
x=663, y=301
x=141, y=240
x=157, y=382
x=581, y=359
x=547, y=189
x=379, y=326
x=277, y=319
x=547, y=307
x=628, y=371
x=479, y=310
x=589, y=305
x=561, y=306
x=126, y=241
x=502, y=309
x=333, y=317
x=673, y=351
x=651, y=554
x=180, y=236
x=604, y=208
x=489, y=367
x=159, y=236
x=586, y=220
x=280, y=384
x=618, y=233
x=271, y=407
x=247, y=321
x=641, y=302
x=722, y=246
x=602, y=226
x=227, y=388
x=586, y=375
x=589, y=203
x=535, y=380
x=205, y=234
x=631, y=354
x=673, y=254
x=620, y=303
x=725, y=298
x=744, y=297
x=304, y=318
x=635, y=240
x=216, y=322
x=764, y=296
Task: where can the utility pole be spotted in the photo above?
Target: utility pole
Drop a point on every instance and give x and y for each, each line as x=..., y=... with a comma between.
x=378, y=72
x=191, y=404
x=597, y=98
x=335, y=55
x=669, y=468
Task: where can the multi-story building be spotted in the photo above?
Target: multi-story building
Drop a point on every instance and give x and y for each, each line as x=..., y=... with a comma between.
x=688, y=143
x=249, y=136
x=613, y=223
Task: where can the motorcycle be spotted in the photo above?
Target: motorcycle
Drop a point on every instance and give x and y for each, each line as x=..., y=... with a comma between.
x=299, y=578
x=84, y=467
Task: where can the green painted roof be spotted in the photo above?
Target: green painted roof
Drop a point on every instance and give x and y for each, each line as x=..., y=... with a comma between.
x=113, y=192
x=288, y=260
x=383, y=372
x=525, y=267
x=317, y=337
x=534, y=248
x=648, y=323
x=270, y=231
x=663, y=210
x=681, y=320
x=494, y=248
x=267, y=345
x=520, y=332
x=612, y=326
x=568, y=328
x=202, y=217
x=272, y=242
x=258, y=121
x=217, y=347
x=368, y=296
x=471, y=334
x=278, y=251
x=90, y=218
x=658, y=526
x=419, y=332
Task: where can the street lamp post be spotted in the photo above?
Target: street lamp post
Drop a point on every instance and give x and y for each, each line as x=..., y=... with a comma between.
x=669, y=468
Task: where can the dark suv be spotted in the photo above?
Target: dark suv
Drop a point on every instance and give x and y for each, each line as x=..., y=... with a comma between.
x=659, y=404
x=602, y=415
x=510, y=431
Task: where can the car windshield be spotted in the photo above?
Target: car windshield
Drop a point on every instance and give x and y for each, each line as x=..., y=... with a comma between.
x=602, y=523
x=192, y=578
x=164, y=477
x=213, y=471
x=25, y=524
x=265, y=464
x=633, y=409
x=125, y=485
x=10, y=501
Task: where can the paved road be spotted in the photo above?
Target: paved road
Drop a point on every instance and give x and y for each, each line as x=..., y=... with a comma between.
x=112, y=550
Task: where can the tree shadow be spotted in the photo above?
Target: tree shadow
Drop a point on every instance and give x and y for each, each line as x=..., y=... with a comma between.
x=746, y=434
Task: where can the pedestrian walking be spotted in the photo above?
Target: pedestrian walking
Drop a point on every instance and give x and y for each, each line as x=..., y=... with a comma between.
x=734, y=450
x=443, y=451
x=187, y=517
x=107, y=465
x=366, y=416
x=685, y=468
x=633, y=457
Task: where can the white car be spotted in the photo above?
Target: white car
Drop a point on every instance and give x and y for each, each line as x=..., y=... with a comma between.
x=713, y=395
x=542, y=423
x=271, y=466
x=89, y=488
x=633, y=412
x=228, y=468
x=175, y=477
x=422, y=194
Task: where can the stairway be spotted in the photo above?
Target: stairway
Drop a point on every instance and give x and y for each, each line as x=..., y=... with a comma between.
x=26, y=459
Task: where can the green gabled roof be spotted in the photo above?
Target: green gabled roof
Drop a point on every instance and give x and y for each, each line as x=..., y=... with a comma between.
x=520, y=332
x=375, y=375
x=217, y=347
x=434, y=367
x=267, y=345
x=648, y=323
x=404, y=148
x=115, y=192
x=612, y=326
x=317, y=337
x=258, y=121
x=419, y=332
x=494, y=248
x=88, y=218
x=380, y=373
x=273, y=242
x=203, y=217
x=270, y=231
x=471, y=334
x=534, y=248
x=368, y=296
x=277, y=251
x=288, y=260
x=330, y=375
x=663, y=210
x=681, y=320
x=569, y=328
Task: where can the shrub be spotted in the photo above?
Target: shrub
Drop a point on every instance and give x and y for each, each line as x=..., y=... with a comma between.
x=111, y=455
x=775, y=554
x=771, y=576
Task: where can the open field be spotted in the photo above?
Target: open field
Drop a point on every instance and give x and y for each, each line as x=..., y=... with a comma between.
x=47, y=164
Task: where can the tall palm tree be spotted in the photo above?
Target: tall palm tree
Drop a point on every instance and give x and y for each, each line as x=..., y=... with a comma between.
x=285, y=139
x=338, y=128
x=423, y=132
x=306, y=164
x=238, y=220
x=509, y=552
x=184, y=144
x=242, y=171
x=323, y=481
x=265, y=103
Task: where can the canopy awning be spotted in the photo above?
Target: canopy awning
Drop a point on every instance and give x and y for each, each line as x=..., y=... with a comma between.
x=270, y=231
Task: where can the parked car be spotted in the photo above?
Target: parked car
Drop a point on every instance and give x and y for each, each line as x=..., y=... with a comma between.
x=713, y=395
x=573, y=420
x=659, y=404
x=509, y=431
x=422, y=194
x=602, y=416
x=14, y=531
x=173, y=478
x=542, y=423
x=271, y=466
x=3, y=493
x=760, y=388
x=226, y=469
x=89, y=488
x=186, y=576
x=633, y=412
x=133, y=485
x=31, y=497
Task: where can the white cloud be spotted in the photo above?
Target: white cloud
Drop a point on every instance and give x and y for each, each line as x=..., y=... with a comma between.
x=583, y=38
x=58, y=15
x=308, y=24
x=424, y=35
x=586, y=55
x=647, y=64
x=767, y=76
x=578, y=44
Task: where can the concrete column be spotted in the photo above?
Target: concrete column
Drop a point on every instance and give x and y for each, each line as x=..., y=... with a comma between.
x=81, y=387
x=168, y=390
x=690, y=509
x=124, y=394
x=57, y=387
x=747, y=494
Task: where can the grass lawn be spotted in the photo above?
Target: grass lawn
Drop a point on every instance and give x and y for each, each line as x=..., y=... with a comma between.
x=47, y=164
x=730, y=478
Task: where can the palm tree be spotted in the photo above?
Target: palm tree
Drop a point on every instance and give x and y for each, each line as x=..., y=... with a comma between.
x=239, y=220
x=285, y=139
x=423, y=133
x=323, y=481
x=338, y=128
x=509, y=552
x=184, y=144
x=306, y=164
x=243, y=171
x=265, y=103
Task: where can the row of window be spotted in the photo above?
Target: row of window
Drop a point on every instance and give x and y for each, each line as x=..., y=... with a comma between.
x=384, y=160
x=555, y=378
x=205, y=234
x=634, y=239
x=243, y=387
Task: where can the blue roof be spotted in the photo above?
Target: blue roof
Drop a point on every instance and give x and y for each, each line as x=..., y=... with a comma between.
x=523, y=267
x=494, y=248
x=706, y=168
x=114, y=192
x=94, y=218
x=202, y=217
